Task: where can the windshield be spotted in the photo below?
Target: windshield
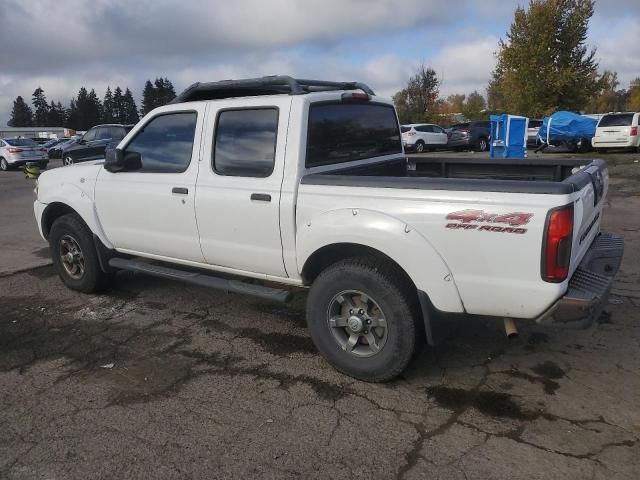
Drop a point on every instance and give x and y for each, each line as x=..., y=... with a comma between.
x=21, y=142
x=619, y=120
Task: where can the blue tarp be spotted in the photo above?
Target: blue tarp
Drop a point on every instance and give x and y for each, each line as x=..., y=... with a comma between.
x=567, y=126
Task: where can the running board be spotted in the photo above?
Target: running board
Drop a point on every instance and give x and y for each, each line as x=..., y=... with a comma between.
x=202, y=280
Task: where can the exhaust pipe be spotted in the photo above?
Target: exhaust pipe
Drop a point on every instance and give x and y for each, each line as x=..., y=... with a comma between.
x=510, y=328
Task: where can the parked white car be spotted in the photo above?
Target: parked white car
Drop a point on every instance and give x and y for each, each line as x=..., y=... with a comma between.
x=423, y=136
x=305, y=184
x=16, y=152
x=618, y=130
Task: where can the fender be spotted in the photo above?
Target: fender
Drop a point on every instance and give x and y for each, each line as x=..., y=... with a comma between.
x=399, y=241
x=81, y=202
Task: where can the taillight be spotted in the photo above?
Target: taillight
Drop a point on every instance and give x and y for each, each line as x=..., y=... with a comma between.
x=15, y=150
x=355, y=96
x=634, y=131
x=411, y=134
x=556, y=247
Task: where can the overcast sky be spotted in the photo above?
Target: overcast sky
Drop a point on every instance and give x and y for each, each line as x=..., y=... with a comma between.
x=64, y=44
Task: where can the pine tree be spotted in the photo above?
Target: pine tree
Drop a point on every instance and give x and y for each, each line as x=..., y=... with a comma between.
x=21, y=114
x=55, y=117
x=95, y=109
x=107, y=107
x=72, y=115
x=148, y=98
x=41, y=108
x=118, y=105
x=130, y=109
x=544, y=64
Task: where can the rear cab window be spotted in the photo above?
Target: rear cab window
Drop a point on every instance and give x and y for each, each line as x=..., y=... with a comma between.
x=343, y=132
x=617, y=120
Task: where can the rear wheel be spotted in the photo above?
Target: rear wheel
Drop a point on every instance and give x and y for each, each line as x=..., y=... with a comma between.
x=68, y=160
x=74, y=255
x=482, y=145
x=4, y=165
x=420, y=146
x=362, y=316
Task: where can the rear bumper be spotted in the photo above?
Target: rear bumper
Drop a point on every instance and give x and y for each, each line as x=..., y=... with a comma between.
x=604, y=142
x=459, y=142
x=20, y=163
x=589, y=286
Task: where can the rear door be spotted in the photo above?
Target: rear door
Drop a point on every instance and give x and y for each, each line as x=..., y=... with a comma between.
x=439, y=135
x=238, y=192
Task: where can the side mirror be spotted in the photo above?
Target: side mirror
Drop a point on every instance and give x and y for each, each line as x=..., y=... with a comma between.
x=117, y=160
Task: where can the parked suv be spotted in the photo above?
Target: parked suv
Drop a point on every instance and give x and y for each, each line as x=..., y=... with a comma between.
x=15, y=152
x=423, y=136
x=470, y=135
x=618, y=130
x=93, y=143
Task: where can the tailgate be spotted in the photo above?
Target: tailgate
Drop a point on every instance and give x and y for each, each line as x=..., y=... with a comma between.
x=588, y=209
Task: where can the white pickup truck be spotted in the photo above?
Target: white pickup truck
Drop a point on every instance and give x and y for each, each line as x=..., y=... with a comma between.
x=305, y=184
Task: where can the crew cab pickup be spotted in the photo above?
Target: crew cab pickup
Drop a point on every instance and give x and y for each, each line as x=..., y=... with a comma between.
x=305, y=184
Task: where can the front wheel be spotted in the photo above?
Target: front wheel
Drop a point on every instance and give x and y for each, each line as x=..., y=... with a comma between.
x=4, y=165
x=68, y=160
x=362, y=316
x=482, y=145
x=74, y=255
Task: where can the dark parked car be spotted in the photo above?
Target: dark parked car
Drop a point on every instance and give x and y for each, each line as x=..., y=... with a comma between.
x=92, y=144
x=57, y=150
x=470, y=135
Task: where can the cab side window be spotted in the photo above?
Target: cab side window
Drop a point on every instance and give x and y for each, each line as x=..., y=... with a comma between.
x=165, y=144
x=104, y=133
x=245, y=142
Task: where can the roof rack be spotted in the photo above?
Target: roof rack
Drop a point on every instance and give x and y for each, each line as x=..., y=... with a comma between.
x=271, y=85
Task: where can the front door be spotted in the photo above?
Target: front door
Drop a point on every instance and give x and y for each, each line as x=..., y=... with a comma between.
x=150, y=211
x=238, y=193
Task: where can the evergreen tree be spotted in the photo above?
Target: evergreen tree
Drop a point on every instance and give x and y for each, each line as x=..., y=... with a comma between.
x=148, y=98
x=21, y=114
x=41, y=108
x=544, y=64
x=118, y=105
x=107, y=107
x=55, y=116
x=130, y=109
x=94, y=111
x=72, y=115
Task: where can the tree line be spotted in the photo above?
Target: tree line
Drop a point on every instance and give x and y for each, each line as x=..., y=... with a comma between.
x=86, y=110
x=543, y=65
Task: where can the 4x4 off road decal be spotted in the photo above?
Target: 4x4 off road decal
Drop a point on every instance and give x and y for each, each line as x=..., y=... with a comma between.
x=466, y=217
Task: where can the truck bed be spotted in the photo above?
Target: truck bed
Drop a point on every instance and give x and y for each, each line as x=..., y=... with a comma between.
x=558, y=176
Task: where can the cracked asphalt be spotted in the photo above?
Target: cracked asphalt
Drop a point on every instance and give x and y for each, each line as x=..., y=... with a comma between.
x=154, y=379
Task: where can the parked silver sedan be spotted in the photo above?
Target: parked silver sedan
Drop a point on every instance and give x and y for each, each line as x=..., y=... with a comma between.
x=15, y=152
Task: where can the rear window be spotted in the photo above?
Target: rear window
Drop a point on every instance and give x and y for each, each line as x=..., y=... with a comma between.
x=482, y=124
x=342, y=132
x=535, y=123
x=405, y=129
x=618, y=120
x=459, y=126
x=21, y=142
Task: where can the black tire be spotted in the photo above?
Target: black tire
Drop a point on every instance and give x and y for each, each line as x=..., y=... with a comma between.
x=68, y=160
x=395, y=296
x=92, y=278
x=420, y=146
x=4, y=165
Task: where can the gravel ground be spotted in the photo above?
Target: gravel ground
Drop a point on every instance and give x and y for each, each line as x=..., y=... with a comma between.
x=155, y=379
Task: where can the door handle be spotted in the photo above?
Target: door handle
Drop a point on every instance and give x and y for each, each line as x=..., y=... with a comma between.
x=180, y=190
x=261, y=197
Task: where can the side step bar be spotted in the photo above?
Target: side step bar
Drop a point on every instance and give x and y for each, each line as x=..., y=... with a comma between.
x=202, y=280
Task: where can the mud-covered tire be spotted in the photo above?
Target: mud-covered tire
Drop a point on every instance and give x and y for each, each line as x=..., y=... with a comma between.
x=385, y=285
x=66, y=230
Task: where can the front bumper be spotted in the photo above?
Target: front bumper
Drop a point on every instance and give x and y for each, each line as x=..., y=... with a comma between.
x=589, y=286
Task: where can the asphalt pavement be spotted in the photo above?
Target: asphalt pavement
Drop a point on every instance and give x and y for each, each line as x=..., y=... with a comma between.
x=155, y=379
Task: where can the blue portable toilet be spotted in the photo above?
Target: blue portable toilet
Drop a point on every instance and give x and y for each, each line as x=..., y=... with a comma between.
x=509, y=136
